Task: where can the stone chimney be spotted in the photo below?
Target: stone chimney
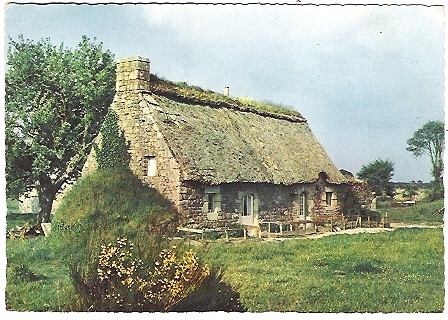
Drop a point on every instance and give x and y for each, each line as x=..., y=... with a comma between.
x=132, y=74
x=226, y=91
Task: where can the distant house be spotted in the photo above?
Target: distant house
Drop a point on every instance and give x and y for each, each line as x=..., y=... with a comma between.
x=216, y=157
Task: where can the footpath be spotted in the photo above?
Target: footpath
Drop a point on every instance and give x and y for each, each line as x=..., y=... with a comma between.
x=393, y=227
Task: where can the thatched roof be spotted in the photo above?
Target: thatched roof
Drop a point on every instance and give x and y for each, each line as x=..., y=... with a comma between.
x=217, y=140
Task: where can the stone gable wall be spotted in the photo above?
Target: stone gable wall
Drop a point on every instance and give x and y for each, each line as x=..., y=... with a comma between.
x=135, y=119
x=137, y=122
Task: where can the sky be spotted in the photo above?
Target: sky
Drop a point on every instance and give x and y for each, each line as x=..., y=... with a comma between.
x=365, y=77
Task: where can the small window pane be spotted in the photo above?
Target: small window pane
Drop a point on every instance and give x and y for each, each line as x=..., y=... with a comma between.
x=302, y=204
x=248, y=205
x=328, y=197
x=152, y=166
x=211, y=202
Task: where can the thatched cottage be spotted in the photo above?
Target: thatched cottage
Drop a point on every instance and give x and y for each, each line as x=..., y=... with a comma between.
x=216, y=157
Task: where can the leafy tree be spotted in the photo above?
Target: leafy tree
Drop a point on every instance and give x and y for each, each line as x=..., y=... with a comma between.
x=350, y=204
x=114, y=149
x=430, y=139
x=378, y=175
x=56, y=99
x=410, y=190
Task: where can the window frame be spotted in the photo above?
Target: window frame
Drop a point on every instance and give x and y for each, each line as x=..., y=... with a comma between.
x=212, y=199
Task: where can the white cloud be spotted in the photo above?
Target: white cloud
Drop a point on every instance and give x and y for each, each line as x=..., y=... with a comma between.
x=243, y=25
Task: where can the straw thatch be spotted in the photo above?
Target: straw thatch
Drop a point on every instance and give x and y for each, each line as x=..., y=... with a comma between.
x=182, y=92
x=218, y=142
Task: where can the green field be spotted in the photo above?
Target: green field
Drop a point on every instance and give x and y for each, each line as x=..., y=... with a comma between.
x=422, y=213
x=398, y=271
x=37, y=279
x=393, y=271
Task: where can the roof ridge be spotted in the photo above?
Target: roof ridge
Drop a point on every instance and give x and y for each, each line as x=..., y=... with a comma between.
x=184, y=93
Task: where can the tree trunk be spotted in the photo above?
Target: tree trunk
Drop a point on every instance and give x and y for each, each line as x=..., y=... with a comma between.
x=437, y=170
x=46, y=197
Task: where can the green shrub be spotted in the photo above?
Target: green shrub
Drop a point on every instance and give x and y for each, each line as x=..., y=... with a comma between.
x=350, y=204
x=113, y=275
x=214, y=294
x=118, y=280
x=107, y=205
x=435, y=192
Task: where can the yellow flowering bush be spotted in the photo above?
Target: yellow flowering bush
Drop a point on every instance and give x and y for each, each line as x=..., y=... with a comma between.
x=122, y=281
x=173, y=278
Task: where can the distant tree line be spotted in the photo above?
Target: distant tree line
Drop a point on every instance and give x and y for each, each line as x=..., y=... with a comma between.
x=429, y=140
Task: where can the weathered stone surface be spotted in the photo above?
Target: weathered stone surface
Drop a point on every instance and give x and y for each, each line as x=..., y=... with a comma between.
x=132, y=74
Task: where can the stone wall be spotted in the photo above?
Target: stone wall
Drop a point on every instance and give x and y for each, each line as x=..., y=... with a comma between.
x=137, y=122
x=273, y=202
x=135, y=119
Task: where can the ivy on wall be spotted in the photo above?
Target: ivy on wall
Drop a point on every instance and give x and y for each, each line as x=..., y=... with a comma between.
x=114, y=147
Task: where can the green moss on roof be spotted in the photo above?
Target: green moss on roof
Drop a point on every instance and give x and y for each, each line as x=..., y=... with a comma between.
x=221, y=145
x=184, y=93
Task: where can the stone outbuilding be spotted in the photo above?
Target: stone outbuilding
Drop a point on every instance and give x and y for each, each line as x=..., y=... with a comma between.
x=216, y=157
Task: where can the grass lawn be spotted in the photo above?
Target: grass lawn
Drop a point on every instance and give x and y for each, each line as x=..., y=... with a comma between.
x=37, y=279
x=20, y=219
x=421, y=213
x=17, y=219
x=399, y=271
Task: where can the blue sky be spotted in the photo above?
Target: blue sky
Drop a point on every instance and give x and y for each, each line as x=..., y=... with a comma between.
x=365, y=77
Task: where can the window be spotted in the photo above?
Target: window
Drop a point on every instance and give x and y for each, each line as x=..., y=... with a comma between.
x=152, y=166
x=328, y=196
x=302, y=204
x=248, y=205
x=212, y=199
x=211, y=202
